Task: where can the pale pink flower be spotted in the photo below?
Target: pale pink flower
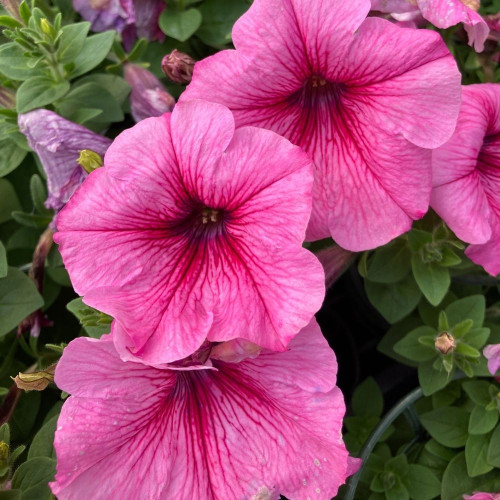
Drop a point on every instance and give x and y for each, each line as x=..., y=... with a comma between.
x=466, y=176
x=482, y=496
x=148, y=96
x=193, y=230
x=58, y=143
x=443, y=14
x=492, y=354
x=247, y=430
x=366, y=99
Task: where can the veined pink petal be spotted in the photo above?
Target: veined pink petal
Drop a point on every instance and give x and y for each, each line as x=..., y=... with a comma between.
x=466, y=176
x=263, y=426
x=396, y=6
x=492, y=354
x=482, y=496
x=194, y=230
x=354, y=93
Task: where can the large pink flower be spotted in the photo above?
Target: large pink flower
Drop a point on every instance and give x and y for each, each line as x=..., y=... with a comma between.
x=482, y=496
x=443, y=14
x=466, y=176
x=194, y=230
x=263, y=426
x=365, y=98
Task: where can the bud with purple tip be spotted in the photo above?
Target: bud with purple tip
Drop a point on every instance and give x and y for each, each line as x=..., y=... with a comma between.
x=178, y=66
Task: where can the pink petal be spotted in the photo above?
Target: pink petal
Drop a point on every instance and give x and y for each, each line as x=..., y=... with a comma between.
x=396, y=6
x=492, y=354
x=267, y=425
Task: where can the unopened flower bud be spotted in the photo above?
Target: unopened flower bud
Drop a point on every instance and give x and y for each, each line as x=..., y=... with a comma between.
x=47, y=28
x=12, y=7
x=7, y=98
x=445, y=343
x=90, y=160
x=36, y=381
x=178, y=66
x=4, y=453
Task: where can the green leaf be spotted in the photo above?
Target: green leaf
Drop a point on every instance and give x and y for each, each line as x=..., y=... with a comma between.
x=447, y=426
x=5, y=433
x=11, y=156
x=429, y=313
x=89, y=318
x=432, y=279
x=461, y=328
x=430, y=379
x=411, y=348
x=11, y=495
x=94, y=51
x=72, y=41
x=395, y=333
x=42, y=444
x=446, y=396
x=478, y=391
x=3, y=261
x=32, y=478
x=25, y=415
x=482, y=421
x=115, y=85
x=180, y=24
x=443, y=325
x=456, y=481
x=38, y=91
x=8, y=200
x=440, y=451
x=477, y=337
x=476, y=449
x=467, y=350
x=38, y=193
x=93, y=96
x=389, y=264
x=493, y=455
x=418, y=238
x=32, y=220
x=367, y=399
x=219, y=17
x=396, y=300
x=13, y=62
x=18, y=298
x=472, y=307
x=422, y=483
x=450, y=258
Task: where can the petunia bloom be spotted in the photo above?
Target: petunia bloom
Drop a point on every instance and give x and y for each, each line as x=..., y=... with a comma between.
x=148, y=96
x=132, y=18
x=492, y=354
x=193, y=230
x=57, y=143
x=365, y=98
x=263, y=426
x=443, y=14
x=482, y=496
x=466, y=176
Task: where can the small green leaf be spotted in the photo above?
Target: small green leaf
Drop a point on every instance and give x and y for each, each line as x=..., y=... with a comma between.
x=410, y=347
x=11, y=156
x=389, y=264
x=39, y=91
x=14, y=64
x=5, y=433
x=430, y=379
x=94, y=51
x=482, y=421
x=493, y=455
x=32, y=478
x=367, y=399
x=472, y=307
x=38, y=194
x=18, y=299
x=115, y=85
x=476, y=449
x=11, y=495
x=72, y=41
x=467, y=350
x=32, y=220
x=396, y=300
x=447, y=426
x=443, y=325
x=422, y=483
x=3, y=261
x=180, y=24
x=418, y=238
x=432, y=279
x=41, y=445
x=477, y=337
x=450, y=258
x=446, y=396
x=440, y=451
x=460, y=329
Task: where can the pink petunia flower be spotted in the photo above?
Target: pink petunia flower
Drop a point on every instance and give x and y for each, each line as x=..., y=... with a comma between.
x=492, y=354
x=482, y=496
x=132, y=18
x=248, y=430
x=366, y=99
x=466, y=176
x=58, y=143
x=148, y=96
x=194, y=230
x=443, y=14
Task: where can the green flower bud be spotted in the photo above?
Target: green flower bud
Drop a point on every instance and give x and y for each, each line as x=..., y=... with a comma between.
x=90, y=160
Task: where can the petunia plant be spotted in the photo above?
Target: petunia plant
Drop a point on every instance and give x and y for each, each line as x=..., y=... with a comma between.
x=249, y=249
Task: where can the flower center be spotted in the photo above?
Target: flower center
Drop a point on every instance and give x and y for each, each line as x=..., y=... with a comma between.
x=318, y=91
x=209, y=215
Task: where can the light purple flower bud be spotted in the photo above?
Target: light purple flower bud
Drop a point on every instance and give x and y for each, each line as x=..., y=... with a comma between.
x=178, y=66
x=12, y=7
x=148, y=97
x=57, y=142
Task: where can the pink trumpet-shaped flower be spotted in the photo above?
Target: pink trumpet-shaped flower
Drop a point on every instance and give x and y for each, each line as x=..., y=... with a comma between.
x=58, y=143
x=193, y=230
x=492, y=354
x=148, y=96
x=443, y=14
x=482, y=496
x=466, y=176
x=366, y=99
x=247, y=430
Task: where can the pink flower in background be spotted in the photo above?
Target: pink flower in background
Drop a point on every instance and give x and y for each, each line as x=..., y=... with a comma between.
x=58, y=143
x=492, y=354
x=194, y=230
x=443, y=14
x=148, y=97
x=335, y=261
x=265, y=426
x=482, y=496
x=132, y=18
x=466, y=176
x=365, y=98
